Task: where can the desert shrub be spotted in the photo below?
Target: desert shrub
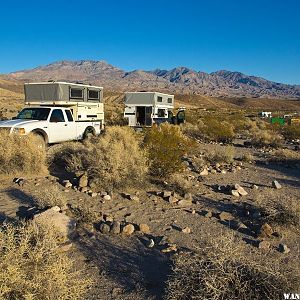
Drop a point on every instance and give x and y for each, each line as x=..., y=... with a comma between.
x=265, y=138
x=166, y=145
x=181, y=183
x=220, y=271
x=33, y=268
x=224, y=154
x=191, y=130
x=277, y=210
x=286, y=156
x=291, y=132
x=247, y=157
x=21, y=155
x=49, y=196
x=112, y=160
x=217, y=130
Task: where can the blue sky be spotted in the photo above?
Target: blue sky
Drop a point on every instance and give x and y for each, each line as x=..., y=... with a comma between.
x=256, y=37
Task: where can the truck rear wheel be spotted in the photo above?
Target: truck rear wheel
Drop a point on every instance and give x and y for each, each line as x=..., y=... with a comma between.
x=88, y=133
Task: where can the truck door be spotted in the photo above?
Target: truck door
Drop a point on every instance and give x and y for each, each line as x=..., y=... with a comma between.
x=59, y=129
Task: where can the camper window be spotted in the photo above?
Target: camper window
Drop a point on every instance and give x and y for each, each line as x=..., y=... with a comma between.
x=76, y=93
x=93, y=95
x=170, y=100
x=159, y=99
x=161, y=113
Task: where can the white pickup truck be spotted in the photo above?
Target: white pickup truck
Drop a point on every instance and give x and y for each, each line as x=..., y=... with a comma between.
x=59, y=112
x=53, y=124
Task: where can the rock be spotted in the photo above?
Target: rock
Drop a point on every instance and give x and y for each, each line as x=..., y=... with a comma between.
x=223, y=171
x=150, y=243
x=134, y=198
x=184, y=202
x=104, y=228
x=235, y=193
x=115, y=227
x=264, y=245
x=186, y=230
x=238, y=168
x=84, y=189
x=106, y=197
x=144, y=228
x=276, y=185
x=204, y=172
x=56, y=208
x=67, y=184
x=235, y=224
x=265, y=231
x=128, y=229
x=108, y=218
x=240, y=190
x=169, y=248
x=172, y=199
x=207, y=214
x=254, y=187
x=188, y=196
x=166, y=194
x=225, y=216
x=62, y=224
x=193, y=211
x=83, y=180
x=213, y=171
x=93, y=195
x=283, y=248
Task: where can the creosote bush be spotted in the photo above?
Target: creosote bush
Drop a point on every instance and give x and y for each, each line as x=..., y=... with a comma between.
x=33, y=268
x=112, y=160
x=21, y=155
x=166, y=146
x=220, y=271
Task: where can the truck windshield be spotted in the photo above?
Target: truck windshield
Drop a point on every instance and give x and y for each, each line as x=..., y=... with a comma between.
x=35, y=113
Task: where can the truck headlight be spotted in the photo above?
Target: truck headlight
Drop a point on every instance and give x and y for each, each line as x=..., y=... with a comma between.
x=19, y=130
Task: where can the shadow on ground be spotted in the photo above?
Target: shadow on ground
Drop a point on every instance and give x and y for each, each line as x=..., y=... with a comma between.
x=128, y=262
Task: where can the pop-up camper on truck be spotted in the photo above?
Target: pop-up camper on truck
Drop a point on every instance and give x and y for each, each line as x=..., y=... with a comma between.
x=143, y=109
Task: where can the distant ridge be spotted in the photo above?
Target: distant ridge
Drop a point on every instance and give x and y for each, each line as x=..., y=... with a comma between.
x=180, y=80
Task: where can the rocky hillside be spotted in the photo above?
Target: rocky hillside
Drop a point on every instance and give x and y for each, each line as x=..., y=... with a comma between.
x=180, y=80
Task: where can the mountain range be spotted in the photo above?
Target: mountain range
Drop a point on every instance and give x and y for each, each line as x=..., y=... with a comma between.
x=180, y=80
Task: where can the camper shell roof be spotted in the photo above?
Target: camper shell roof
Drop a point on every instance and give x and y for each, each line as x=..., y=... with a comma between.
x=64, y=92
x=149, y=98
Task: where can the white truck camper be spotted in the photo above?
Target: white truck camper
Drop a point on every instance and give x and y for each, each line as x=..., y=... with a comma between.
x=59, y=112
x=143, y=109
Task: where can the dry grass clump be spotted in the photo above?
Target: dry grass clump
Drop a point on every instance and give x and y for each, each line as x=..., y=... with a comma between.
x=265, y=138
x=247, y=157
x=220, y=271
x=279, y=211
x=166, y=146
x=33, y=268
x=217, y=130
x=286, y=156
x=291, y=132
x=112, y=160
x=21, y=155
x=181, y=183
x=222, y=155
x=49, y=196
